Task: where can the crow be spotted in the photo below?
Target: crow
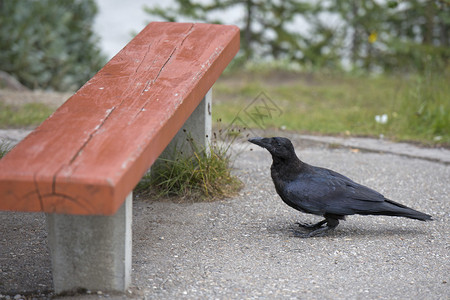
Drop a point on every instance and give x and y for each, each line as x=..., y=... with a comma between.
x=323, y=192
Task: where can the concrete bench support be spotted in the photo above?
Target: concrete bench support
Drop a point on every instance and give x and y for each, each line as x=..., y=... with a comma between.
x=198, y=127
x=77, y=261
x=91, y=252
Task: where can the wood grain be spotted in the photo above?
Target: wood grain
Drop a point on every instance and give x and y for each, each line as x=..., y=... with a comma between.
x=87, y=156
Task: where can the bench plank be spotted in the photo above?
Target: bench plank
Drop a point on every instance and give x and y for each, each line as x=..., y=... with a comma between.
x=87, y=157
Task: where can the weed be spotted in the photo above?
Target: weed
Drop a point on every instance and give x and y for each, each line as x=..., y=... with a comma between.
x=205, y=175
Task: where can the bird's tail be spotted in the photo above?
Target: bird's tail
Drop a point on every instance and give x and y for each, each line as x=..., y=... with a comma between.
x=392, y=208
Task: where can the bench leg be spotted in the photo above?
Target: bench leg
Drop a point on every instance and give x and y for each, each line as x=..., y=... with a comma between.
x=198, y=126
x=91, y=252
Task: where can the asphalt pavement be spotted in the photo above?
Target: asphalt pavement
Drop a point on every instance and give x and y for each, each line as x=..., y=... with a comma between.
x=243, y=247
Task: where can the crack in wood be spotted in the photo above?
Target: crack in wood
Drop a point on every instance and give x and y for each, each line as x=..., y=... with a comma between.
x=143, y=59
x=165, y=63
x=38, y=193
x=86, y=208
x=191, y=29
x=149, y=83
x=147, y=86
x=91, y=135
x=75, y=156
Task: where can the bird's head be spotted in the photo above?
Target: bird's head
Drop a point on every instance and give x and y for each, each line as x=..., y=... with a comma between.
x=279, y=147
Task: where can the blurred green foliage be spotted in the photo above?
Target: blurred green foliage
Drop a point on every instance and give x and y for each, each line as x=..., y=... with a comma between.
x=395, y=36
x=369, y=35
x=49, y=44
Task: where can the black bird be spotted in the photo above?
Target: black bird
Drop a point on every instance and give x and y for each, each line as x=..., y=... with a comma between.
x=323, y=192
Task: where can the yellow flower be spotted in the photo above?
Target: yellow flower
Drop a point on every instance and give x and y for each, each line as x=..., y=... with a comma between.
x=373, y=37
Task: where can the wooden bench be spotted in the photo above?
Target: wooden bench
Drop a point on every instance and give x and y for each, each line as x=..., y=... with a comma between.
x=81, y=164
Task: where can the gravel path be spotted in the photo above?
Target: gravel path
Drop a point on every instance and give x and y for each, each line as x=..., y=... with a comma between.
x=243, y=248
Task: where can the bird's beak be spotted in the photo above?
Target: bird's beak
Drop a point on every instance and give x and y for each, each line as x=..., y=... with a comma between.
x=262, y=142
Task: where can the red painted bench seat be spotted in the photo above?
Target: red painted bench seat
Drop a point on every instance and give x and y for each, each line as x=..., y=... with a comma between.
x=87, y=157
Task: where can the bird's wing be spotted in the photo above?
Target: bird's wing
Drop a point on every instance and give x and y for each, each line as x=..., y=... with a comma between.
x=325, y=191
x=350, y=188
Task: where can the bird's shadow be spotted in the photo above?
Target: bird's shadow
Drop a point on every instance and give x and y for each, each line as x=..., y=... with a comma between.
x=346, y=232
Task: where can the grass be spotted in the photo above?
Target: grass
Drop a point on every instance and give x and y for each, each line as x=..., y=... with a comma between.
x=27, y=115
x=5, y=147
x=205, y=175
x=418, y=107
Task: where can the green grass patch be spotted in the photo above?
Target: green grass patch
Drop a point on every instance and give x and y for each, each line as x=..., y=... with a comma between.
x=27, y=115
x=203, y=176
x=417, y=107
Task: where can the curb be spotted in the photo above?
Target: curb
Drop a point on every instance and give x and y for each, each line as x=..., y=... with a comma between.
x=377, y=145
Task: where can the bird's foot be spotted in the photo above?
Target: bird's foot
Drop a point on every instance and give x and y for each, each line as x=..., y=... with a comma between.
x=311, y=226
x=320, y=231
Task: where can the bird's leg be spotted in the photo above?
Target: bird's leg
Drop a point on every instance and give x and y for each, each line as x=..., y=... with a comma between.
x=331, y=224
x=311, y=226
